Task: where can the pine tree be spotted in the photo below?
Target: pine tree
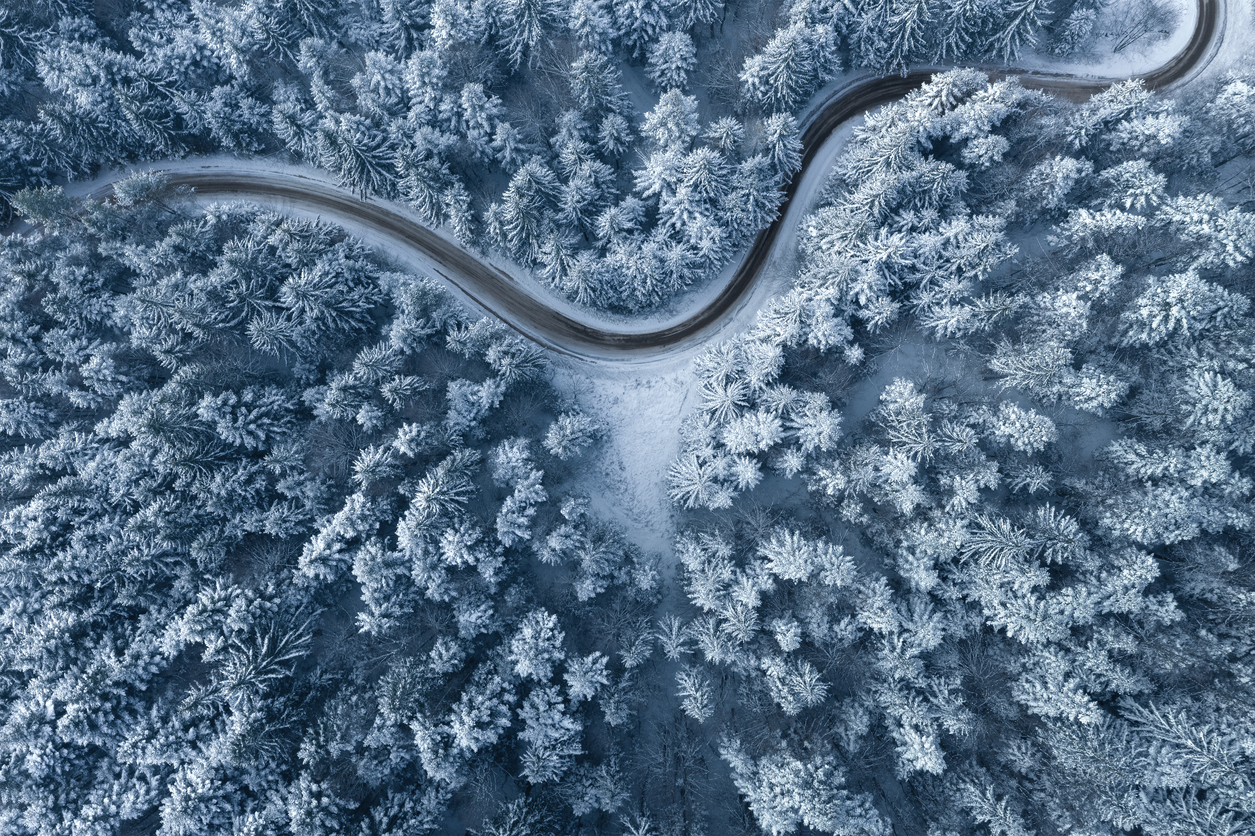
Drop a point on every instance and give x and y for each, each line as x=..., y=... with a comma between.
x=592, y=23
x=671, y=58
x=521, y=24
x=595, y=84
x=673, y=122
x=753, y=200
x=961, y=23
x=783, y=792
x=523, y=222
x=404, y=21
x=360, y=155
x=537, y=646
x=781, y=145
x=1233, y=108
x=639, y=22
x=552, y=735
x=726, y=134
x=686, y=14
x=695, y=693
x=797, y=60
x=482, y=714
x=585, y=677
x=1018, y=28
x=570, y=434
x=909, y=26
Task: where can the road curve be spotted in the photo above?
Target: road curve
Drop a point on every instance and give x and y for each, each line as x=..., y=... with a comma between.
x=497, y=292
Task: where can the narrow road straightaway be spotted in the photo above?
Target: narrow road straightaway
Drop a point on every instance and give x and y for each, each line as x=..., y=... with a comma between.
x=498, y=293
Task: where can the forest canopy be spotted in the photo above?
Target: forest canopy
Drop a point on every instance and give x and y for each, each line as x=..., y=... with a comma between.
x=290, y=544
x=1018, y=588
x=283, y=546
x=578, y=137
x=293, y=543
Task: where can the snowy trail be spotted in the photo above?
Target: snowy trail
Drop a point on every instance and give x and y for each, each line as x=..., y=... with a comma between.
x=503, y=291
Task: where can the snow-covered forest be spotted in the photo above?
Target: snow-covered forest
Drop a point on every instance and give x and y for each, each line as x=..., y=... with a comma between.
x=624, y=151
x=1008, y=403
x=284, y=542
x=293, y=542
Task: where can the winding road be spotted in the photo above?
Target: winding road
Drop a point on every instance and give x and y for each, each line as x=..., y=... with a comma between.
x=522, y=304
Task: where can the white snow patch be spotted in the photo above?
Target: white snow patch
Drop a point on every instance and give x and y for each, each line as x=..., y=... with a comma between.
x=1099, y=58
x=641, y=410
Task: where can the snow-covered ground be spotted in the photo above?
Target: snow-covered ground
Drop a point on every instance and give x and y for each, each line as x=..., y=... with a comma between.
x=1100, y=59
x=626, y=477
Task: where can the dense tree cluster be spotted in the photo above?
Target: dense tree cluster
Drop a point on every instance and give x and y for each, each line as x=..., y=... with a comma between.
x=283, y=547
x=425, y=104
x=506, y=122
x=987, y=561
x=890, y=35
x=289, y=543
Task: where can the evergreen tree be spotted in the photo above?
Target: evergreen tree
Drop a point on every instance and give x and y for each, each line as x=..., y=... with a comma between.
x=639, y=22
x=521, y=24
x=796, y=61
x=671, y=58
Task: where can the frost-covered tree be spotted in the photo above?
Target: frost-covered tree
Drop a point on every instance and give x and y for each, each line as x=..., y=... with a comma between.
x=570, y=434
x=639, y=22
x=671, y=58
x=784, y=792
x=537, y=646
x=552, y=736
x=521, y=25
x=797, y=60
